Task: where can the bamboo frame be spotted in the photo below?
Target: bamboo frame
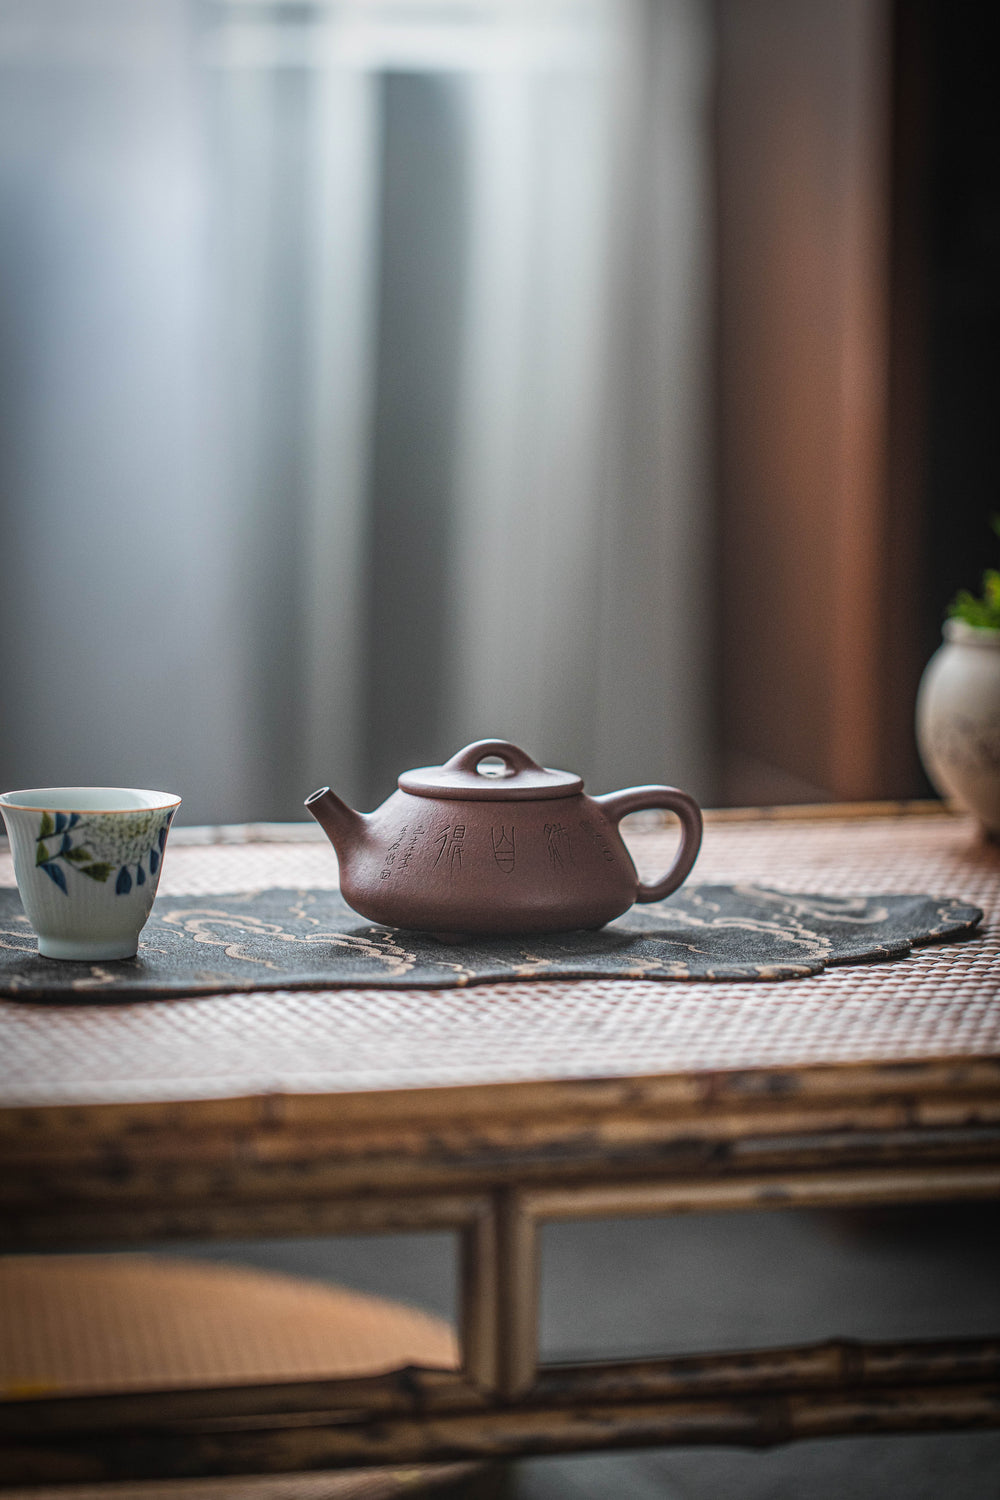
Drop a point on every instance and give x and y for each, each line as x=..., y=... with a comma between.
x=826, y=1366
x=479, y=1305
x=761, y=1139
x=157, y=1181
x=517, y=1305
x=757, y=1399
x=502, y=1402
x=802, y=1190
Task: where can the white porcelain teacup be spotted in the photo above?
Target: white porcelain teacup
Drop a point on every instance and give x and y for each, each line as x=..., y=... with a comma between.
x=87, y=861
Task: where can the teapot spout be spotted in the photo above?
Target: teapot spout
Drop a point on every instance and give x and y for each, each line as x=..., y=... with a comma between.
x=344, y=827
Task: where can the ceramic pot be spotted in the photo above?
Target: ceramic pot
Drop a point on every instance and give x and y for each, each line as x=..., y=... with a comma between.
x=958, y=720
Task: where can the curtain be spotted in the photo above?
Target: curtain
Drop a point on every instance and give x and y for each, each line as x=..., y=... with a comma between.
x=359, y=378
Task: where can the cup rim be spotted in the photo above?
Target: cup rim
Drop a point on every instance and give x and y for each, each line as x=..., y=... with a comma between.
x=62, y=798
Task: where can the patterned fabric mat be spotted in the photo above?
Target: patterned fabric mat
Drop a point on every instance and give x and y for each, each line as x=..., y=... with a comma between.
x=276, y=939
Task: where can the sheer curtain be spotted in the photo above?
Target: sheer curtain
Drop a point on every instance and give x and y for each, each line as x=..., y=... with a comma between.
x=386, y=425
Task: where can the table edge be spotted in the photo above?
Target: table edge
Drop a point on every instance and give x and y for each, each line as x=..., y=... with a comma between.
x=795, y=1091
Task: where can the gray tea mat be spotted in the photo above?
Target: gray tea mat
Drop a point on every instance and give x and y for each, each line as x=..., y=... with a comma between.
x=278, y=939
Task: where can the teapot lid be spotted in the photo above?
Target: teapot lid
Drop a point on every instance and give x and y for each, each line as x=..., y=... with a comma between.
x=519, y=779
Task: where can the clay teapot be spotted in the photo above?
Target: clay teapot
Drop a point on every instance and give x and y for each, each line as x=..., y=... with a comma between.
x=510, y=848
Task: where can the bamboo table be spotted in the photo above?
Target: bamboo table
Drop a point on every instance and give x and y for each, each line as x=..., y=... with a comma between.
x=491, y=1110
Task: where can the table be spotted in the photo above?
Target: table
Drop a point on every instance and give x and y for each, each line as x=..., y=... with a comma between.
x=491, y=1110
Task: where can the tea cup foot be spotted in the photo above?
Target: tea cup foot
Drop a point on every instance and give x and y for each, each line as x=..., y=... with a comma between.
x=88, y=950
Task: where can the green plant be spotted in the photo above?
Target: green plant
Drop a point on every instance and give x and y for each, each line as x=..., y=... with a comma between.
x=982, y=611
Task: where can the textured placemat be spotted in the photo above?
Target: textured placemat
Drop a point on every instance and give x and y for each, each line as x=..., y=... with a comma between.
x=277, y=939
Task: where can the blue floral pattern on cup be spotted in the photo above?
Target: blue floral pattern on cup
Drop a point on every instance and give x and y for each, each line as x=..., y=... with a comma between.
x=98, y=847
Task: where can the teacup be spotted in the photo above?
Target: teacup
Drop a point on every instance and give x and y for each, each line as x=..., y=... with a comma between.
x=87, y=861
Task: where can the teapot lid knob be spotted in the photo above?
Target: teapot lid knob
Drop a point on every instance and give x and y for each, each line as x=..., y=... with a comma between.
x=470, y=776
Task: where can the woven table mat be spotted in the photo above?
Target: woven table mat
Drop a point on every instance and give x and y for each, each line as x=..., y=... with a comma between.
x=276, y=939
x=943, y=1001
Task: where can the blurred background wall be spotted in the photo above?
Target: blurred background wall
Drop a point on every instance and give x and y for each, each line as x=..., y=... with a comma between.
x=609, y=375
x=356, y=364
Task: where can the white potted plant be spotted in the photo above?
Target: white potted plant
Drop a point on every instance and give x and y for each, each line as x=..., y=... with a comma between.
x=958, y=704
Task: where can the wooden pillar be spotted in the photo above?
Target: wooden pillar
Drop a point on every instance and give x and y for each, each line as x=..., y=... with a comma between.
x=818, y=579
x=517, y=1302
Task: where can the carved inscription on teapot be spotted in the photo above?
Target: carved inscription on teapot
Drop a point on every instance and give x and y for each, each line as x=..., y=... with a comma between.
x=598, y=838
x=558, y=845
x=401, y=851
x=503, y=847
x=449, y=843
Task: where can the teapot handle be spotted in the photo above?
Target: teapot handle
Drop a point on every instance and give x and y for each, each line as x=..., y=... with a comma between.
x=638, y=798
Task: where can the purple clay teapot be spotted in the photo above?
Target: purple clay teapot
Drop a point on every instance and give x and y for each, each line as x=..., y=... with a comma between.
x=504, y=849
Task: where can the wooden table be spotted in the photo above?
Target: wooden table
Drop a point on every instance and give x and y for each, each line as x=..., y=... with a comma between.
x=491, y=1110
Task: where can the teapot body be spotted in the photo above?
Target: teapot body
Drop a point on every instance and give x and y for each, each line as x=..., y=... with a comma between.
x=489, y=867
x=464, y=848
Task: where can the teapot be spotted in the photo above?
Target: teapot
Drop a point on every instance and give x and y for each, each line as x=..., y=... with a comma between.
x=492, y=842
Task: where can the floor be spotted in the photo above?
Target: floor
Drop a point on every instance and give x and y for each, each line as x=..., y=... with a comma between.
x=721, y=1282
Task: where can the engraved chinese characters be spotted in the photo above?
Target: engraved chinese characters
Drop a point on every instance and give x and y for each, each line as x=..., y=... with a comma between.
x=503, y=848
x=449, y=845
